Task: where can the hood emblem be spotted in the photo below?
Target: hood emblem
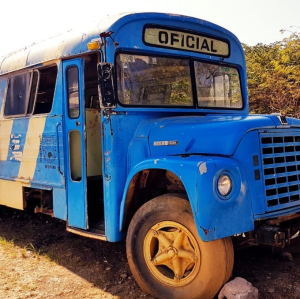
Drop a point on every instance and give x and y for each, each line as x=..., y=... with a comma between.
x=163, y=143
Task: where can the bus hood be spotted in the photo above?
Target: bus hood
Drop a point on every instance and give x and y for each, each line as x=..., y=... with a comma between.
x=212, y=134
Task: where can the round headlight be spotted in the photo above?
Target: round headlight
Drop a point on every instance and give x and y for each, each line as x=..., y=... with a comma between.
x=224, y=185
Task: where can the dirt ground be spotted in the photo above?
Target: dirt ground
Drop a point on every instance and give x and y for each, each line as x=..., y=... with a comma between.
x=39, y=259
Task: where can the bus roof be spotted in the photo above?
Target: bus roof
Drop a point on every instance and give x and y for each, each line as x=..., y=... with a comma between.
x=73, y=42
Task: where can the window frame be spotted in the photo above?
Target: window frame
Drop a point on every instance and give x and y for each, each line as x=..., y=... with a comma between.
x=27, y=97
x=67, y=89
x=35, y=93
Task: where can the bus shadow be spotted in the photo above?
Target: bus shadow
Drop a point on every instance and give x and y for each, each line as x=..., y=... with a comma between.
x=103, y=264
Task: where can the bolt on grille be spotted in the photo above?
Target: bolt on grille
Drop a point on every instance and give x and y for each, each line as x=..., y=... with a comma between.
x=281, y=169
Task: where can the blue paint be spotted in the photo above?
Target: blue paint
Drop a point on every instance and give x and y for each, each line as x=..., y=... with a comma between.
x=48, y=170
x=60, y=203
x=227, y=131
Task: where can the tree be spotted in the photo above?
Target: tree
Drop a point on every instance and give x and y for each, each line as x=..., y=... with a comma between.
x=273, y=73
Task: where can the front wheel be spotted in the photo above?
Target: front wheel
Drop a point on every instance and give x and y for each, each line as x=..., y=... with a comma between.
x=167, y=257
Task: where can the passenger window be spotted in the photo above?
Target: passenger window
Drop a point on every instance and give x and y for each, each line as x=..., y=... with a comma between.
x=73, y=92
x=46, y=89
x=17, y=94
x=91, y=96
x=31, y=92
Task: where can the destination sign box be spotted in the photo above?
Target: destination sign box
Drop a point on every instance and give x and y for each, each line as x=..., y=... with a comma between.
x=186, y=41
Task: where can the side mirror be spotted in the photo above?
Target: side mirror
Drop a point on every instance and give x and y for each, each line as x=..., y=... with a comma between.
x=106, y=85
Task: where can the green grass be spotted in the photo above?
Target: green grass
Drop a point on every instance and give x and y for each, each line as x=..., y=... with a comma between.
x=4, y=241
x=8, y=245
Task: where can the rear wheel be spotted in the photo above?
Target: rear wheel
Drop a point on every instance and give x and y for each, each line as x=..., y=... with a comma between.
x=167, y=257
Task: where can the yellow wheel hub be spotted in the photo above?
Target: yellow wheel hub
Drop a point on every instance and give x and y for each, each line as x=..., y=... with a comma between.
x=172, y=253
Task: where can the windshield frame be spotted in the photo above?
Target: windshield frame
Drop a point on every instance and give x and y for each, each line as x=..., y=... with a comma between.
x=191, y=60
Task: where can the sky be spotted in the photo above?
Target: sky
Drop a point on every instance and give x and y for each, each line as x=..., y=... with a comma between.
x=24, y=22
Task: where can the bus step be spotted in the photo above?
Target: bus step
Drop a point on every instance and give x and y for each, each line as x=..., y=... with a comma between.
x=90, y=233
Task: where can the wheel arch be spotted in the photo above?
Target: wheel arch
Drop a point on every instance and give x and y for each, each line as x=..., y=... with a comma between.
x=141, y=177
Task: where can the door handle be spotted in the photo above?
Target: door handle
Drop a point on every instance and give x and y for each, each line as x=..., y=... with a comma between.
x=78, y=123
x=57, y=147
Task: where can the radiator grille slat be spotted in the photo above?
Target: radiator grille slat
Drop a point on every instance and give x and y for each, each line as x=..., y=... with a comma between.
x=281, y=169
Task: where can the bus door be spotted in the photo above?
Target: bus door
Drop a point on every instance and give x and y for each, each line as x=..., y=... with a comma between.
x=74, y=128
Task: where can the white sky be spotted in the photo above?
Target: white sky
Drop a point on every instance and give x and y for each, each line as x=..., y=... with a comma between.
x=23, y=22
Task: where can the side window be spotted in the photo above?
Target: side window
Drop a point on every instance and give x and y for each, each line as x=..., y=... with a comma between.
x=17, y=94
x=73, y=92
x=46, y=89
x=91, y=97
x=34, y=83
x=3, y=82
x=31, y=92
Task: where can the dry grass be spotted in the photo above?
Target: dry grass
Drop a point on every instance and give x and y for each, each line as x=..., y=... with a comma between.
x=39, y=259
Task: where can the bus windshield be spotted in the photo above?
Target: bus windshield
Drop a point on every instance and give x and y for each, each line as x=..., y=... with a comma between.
x=217, y=86
x=164, y=81
x=154, y=81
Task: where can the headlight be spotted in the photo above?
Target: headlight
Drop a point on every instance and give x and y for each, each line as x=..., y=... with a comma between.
x=224, y=185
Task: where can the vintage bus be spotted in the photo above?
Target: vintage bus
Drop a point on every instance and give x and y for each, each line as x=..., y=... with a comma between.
x=139, y=128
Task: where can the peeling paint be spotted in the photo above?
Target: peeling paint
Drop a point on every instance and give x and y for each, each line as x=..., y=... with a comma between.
x=203, y=168
x=206, y=231
x=17, y=155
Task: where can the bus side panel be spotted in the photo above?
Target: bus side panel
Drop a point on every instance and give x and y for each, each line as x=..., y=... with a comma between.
x=12, y=138
x=31, y=150
x=49, y=171
x=13, y=133
x=19, y=141
x=31, y=154
x=11, y=194
x=49, y=166
x=122, y=129
x=5, y=133
x=60, y=203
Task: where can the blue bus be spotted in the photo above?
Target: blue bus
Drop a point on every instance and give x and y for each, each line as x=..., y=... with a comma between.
x=139, y=128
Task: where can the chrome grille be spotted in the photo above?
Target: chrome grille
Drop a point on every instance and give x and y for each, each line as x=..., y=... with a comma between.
x=281, y=168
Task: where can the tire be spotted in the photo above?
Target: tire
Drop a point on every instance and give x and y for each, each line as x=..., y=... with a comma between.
x=167, y=257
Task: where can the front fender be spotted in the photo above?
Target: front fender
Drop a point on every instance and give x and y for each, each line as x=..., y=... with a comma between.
x=184, y=168
x=215, y=217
